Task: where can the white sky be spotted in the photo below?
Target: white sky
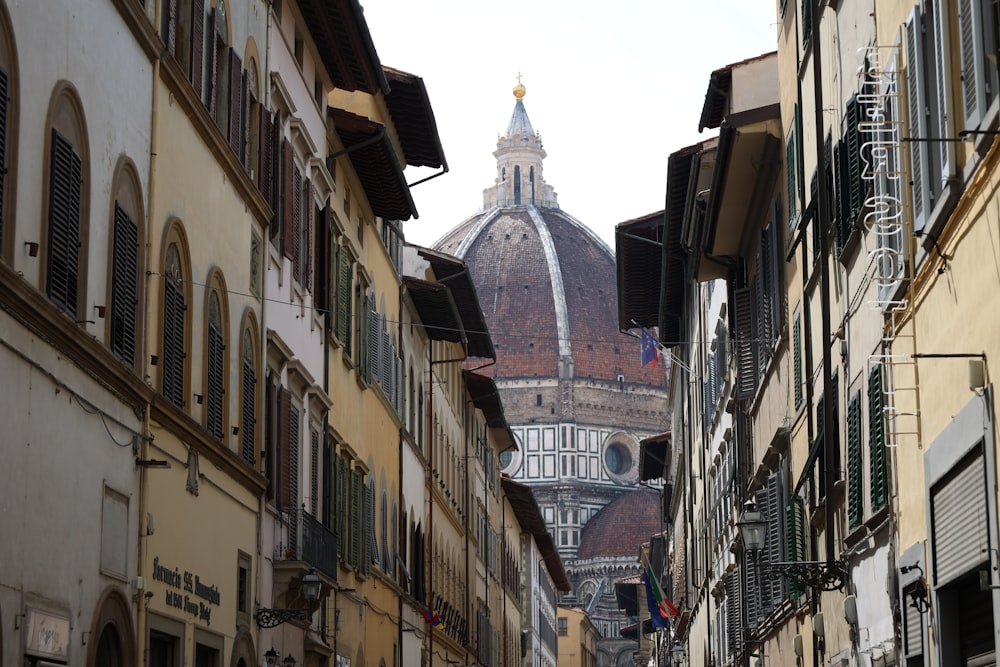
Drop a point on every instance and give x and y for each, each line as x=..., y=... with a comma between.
x=612, y=87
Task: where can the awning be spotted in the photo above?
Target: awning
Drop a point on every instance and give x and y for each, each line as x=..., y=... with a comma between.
x=453, y=272
x=413, y=119
x=653, y=453
x=639, y=256
x=370, y=150
x=436, y=308
x=344, y=43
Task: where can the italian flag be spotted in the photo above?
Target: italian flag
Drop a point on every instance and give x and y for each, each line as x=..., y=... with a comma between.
x=667, y=608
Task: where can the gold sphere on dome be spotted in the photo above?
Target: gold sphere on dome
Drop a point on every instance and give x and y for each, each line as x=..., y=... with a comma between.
x=519, y=90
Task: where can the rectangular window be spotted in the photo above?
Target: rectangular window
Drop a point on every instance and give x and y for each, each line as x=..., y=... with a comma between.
x=65, y=180
x=797, y=359
x=791, y=170
x=345, y=291
x=243, y=586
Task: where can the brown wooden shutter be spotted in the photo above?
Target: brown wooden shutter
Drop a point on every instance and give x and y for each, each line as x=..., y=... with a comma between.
x=307, y=234
x=3, y=144
x=321, y=291
x=272, y=427
x=287, y=202
x=282, y=458
x=245, y=103
x=173, y=342
x=235, y=108
x=198, y=44
x=64, y=224
x=213, y=65
x=124, y=281
x=248, y=421
x=264, y=173
x=214, y=392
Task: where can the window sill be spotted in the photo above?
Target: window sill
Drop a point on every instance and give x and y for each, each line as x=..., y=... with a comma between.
x=874, y=524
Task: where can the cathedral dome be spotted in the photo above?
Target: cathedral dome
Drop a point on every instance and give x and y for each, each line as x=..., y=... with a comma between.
x=621, y=526
x=546, y=283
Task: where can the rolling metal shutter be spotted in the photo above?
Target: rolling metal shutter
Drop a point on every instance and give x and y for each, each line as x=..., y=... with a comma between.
x=959, y=515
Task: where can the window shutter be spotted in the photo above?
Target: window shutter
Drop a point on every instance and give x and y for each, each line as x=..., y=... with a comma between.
x=775, y=534
x=943, y=83
x=854, y=162
x=173, y=342
x=797, y=359
x=235, y=103
x=213, y=64
x=314, y=471
x=876, y=439
x=917, y=117
x=64, y=224
x=746, y=348
x=842, y=193
x=792, y=179
x=4, y=92
x=762, y=319
x=124, y=279
x=321, y=288
x=368, y=508
x=307, y=236
x=751, y=594
x=264, y=175
x=734, y=625
x=214, y=392
x=795, y=540
x=338, y=506
x=282, y=457
x=855, y=497
x=198, y=45
x=913, y=630
x=245, y=103
x=295, y=193
x=287, y=202
x=974, y=63
x=344, y=291
x=370, y=339
x=357, y=520
x=169, y=28
x=249, y=414
x=385, y=356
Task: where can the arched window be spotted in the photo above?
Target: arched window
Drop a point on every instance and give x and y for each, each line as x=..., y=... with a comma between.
x=8, y=133
x=394, y=537
x=215, y=368
x=66, y=239
x=174, y=327
x=248, y=398
x=125, y=266
x=252, y=155
x=517, y=185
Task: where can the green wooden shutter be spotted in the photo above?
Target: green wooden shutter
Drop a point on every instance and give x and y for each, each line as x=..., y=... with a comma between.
x=877, y=440
x=65, y=182
x=797, y=359
x=124, y=280
x=294, y=235
x=338, y=507
x=855, y=497
x=795, y=540
x=792, y=179
x=357, y=520
x=855, y=164
x=345, y=290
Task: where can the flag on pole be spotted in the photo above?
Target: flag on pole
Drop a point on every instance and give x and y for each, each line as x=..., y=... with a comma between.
x=663, y=604
x=655, y=617
x=650, y=351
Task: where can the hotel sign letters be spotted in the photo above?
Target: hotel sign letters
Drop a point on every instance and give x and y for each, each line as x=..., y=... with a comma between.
x=186, y=591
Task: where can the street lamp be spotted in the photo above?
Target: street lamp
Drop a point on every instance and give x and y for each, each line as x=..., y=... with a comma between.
x=309, y=590
x=677, y=654
x=753, y=529
x=828, y=575
x=271, y=657
x=289, y=661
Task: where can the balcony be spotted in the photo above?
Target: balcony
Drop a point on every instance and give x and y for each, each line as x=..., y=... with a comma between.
x=310, y=544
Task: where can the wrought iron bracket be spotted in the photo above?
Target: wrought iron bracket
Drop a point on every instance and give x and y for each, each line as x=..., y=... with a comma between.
x=270, y=618
x=824, y=575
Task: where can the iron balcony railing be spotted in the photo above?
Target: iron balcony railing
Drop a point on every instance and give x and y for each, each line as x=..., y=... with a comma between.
x=311, y=542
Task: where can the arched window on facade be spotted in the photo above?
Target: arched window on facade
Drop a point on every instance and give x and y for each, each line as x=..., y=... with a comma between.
x=174, y=327
x=8, y=134
x=215, y=374
x=517, y=185
x=248, y=398
x=125, y=266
